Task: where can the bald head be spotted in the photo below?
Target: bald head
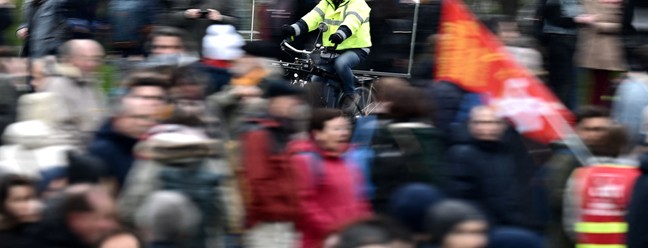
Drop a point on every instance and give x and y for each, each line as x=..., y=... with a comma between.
x=86, y=55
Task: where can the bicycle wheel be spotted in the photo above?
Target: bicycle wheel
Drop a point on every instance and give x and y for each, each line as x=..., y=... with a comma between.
x=315, y=95
x=367, y=103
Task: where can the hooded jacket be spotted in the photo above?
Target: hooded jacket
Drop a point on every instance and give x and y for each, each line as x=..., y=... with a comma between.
x=328, y=199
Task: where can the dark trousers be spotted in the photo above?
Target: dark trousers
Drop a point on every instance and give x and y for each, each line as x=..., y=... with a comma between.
x=561, y=68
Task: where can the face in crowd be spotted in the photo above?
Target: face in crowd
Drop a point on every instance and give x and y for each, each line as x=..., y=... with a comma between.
x=335, y=135
x=468, y=234
x=21, y=203
x=162, y=45
x=485, y=125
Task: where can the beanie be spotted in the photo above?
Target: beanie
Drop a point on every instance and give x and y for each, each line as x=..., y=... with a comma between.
x=222, y=42
x=446, y=215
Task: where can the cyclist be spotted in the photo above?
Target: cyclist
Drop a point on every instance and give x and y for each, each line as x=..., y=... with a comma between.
x=348, y=32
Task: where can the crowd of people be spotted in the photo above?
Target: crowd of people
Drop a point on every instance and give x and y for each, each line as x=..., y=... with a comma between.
x=203, y=143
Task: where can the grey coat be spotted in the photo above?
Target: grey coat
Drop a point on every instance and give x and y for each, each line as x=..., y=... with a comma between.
x=46, y=25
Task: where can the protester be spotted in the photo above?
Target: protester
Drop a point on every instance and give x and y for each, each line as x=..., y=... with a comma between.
x=221, y=46
x=48, y=24
x=267, y=171
x=456, y=224
x=630, y=98
x=185, y=160
x=496, y=188
x=78, y=85
x=329, y=187
x=402, y=138
x=196, y=16
x=117, y=137
x=77, y=217
x=606, y=179
x=19, y=210
x=561, y=19
x=169, y=40
x=599, y=48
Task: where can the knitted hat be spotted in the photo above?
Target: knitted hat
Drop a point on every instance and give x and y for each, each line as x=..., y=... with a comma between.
x=222, y=42
x=446, y=215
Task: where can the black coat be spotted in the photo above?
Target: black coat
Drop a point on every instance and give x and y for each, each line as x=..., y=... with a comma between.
x=637, y=215
x=495, y=176
x=18, y=237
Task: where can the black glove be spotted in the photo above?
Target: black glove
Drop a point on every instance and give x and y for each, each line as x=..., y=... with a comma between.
x=287, y=31
x=336, y=38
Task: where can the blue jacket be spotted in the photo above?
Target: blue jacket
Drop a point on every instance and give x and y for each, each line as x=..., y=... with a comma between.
x=630, y=101
x=115, y=150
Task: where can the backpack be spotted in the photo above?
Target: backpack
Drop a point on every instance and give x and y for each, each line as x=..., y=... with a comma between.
x=404, y=153
x=129, y=18
x=201, y=186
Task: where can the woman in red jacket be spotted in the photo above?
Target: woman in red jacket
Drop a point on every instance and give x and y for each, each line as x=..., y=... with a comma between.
x=329, y=186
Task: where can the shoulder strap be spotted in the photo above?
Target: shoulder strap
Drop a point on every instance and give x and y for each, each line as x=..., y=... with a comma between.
x=315, y=165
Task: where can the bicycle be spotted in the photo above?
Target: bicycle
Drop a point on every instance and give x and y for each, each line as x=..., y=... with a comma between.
x=303, y=68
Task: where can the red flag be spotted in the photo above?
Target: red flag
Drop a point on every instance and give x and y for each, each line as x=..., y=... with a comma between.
x=472, y=57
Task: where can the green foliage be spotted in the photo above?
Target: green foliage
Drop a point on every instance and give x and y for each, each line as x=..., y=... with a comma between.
x=10, y=34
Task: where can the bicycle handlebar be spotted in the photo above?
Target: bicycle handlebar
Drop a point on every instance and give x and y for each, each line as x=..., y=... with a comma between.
x=318, y=47
x=285, y=44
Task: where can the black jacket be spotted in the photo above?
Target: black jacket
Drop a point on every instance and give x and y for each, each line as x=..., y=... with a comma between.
x=495, y=176
x=637, y=215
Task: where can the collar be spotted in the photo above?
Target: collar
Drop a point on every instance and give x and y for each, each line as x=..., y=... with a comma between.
x=217, y=63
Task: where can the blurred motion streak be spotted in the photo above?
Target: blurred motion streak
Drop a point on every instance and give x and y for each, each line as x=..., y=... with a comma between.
x=470, y=56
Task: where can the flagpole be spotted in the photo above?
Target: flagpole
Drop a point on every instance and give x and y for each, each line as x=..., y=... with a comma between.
x=413, y=43
x=571, y=140
x=252, y=24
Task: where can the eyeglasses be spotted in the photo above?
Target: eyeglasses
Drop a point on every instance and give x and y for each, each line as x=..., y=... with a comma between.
x=150, y=97
x=156, y=47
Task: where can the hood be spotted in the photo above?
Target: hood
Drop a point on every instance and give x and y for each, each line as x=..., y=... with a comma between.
x=222, y=42
x=410, y=202
x=34, y=134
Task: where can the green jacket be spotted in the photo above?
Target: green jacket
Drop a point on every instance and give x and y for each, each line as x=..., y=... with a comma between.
x=354, y=14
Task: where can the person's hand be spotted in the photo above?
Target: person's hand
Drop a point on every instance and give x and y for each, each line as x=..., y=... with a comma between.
x=336, y=38
x=287, y=31
x=214, y=15
x=585, y=19
x=192, y=13
x=22, y=33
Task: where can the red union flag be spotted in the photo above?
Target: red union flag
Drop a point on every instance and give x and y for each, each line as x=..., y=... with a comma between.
x=470, y=56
